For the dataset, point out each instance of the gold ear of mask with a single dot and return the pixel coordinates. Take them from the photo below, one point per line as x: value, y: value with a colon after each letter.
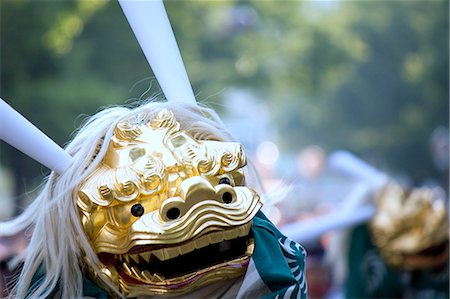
x: 166, y: 213
x: 411, y: 227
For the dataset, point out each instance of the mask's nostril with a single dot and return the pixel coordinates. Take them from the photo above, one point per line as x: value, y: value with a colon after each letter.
x: 227, y: 197
x: 173, y: 213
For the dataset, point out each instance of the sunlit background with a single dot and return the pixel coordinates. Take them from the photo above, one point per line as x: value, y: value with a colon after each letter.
x: 293, y: 80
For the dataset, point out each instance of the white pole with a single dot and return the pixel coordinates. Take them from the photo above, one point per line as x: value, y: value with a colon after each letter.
x: 349, y: 163
x: 312, y: 229
x: 17, y: 131
x: 354, y: 210
x: 150, y: 24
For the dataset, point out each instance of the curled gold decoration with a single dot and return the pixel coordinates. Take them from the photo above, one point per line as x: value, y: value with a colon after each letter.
x: 212, y: 157
x: 409, y: 225
x: 152, y: 173
x: 151, y: 181
x: 233, y: 158
x: 126, y: 132
x: 127, y: 188
x: 105, y: 192
x: 205, y: 165
x: 165, y: 119
x: 155, y: 201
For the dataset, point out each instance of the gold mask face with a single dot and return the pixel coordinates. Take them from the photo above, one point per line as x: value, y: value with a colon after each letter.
x: 166, y: 213
x: 411, y: 227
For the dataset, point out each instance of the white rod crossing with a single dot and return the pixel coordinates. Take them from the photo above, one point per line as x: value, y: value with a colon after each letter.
x: 312, y: 229
x: 151, y: 26
x: 360, y: 207
x: 17, y: 131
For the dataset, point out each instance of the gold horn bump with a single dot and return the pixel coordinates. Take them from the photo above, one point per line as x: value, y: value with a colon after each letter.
x: 165, y: 119
x: 152, y: 174
x: 206, y: 165
x: 126, y: 191
x: 84, y: 202
x: 125, y: 131
x: 105, y: 192
x: 190, y: 152
x: 127, y: 188
x: 233, y: 157
x: 227, y: 159
x: 151, y: 181
x: 154, y: 164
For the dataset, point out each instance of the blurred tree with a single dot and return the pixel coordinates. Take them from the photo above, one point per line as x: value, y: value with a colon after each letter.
x: 398, y: 96
x: 371, y: 77
x: 60, y: 60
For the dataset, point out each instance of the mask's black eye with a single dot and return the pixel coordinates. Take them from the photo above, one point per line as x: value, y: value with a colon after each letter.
x: 225, y: 181
x: 137, y: 210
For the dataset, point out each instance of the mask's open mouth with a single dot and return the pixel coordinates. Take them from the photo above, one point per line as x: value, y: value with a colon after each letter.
x: 430, y: 258
x: 176, y: 265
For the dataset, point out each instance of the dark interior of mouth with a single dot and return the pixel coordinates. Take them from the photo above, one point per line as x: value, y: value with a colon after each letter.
x: 435, y: 250
x: 198, y: 259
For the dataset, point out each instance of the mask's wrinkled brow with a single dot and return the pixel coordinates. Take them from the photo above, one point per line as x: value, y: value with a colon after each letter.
x: 145, y: 158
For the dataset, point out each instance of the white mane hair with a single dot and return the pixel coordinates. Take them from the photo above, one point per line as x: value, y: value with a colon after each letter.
x: 58, y: 242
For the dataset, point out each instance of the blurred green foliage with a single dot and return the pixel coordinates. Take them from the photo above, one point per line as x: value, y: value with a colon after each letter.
x: 368, y: 76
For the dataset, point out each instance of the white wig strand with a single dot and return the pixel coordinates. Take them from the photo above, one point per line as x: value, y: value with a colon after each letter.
x: 58, y: 243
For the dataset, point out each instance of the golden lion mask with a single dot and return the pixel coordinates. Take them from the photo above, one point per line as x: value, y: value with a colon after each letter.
x: 411, y: 227
x: 166, y: 213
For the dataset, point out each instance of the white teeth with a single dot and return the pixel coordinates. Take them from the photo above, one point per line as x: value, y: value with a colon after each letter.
x: 135, y: 258
x: 147, y: 275
x: 160, y: 254
x: 135, y: 272
x: 126, y: 268
x: 215, y: 238
x: 243, y: 230
x: 186, y: 248
x: 126, y: 257
x: 172, y: 252
x: 146, y: 256
x: 228, y: 235
x: 166, y: 253
x: 250, y: 249
x: 201, y: 242
x: 158, y: 277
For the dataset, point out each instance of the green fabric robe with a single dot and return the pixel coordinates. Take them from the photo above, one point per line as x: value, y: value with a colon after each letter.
x: 370, y: 277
